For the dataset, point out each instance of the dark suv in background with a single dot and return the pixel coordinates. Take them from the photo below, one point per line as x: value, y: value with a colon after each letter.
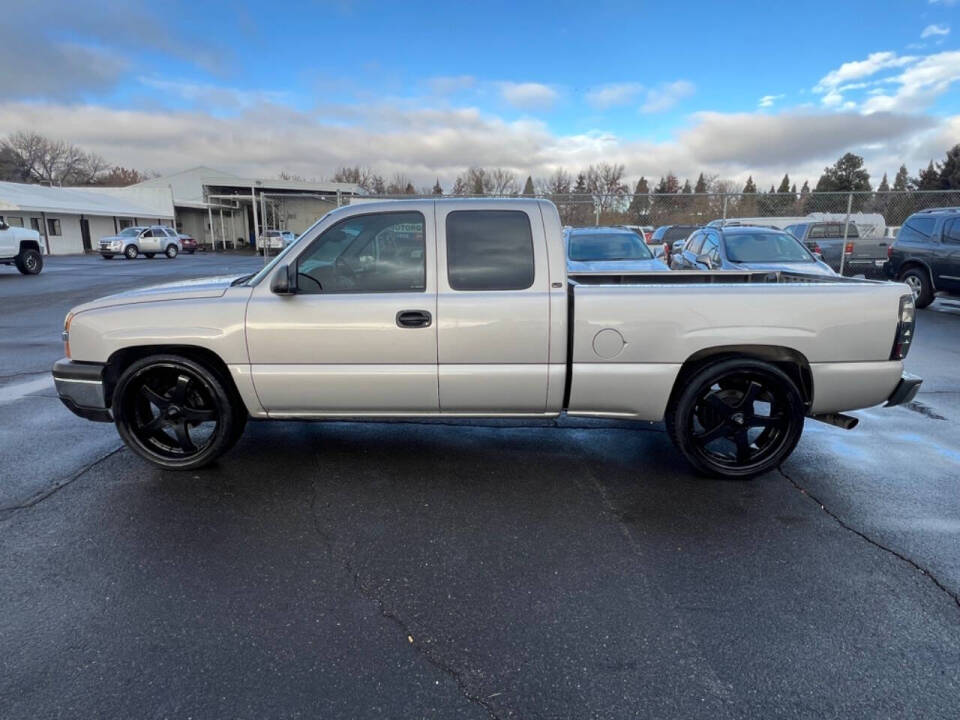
x: 926, y: 254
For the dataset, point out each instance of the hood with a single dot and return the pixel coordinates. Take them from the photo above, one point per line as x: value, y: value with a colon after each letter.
x: 181, y: 290
x: 616, y: 266
x: 814, y: 268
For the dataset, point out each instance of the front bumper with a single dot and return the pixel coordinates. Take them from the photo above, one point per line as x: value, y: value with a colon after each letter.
x: 906, y: 390
x: 81, y: 388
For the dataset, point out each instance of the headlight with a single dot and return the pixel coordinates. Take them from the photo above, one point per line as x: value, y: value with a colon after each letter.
x: 906, y: 325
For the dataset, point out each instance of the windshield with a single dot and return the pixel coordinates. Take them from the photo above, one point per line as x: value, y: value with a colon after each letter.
x: 131, y: 231
x: 608, y: 246
x: 772, y: 247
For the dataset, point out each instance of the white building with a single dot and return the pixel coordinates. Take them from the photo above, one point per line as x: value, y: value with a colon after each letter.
x: 72, y: 220
x: 216, y: 207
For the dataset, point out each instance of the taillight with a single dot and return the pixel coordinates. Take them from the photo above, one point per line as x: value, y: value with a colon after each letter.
x: 66, y: 334
x: 816, y: 249
x: 906, y: 324
x: 849, y: 248
x: 889, y: 251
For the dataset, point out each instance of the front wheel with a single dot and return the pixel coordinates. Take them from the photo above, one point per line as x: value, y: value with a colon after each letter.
x: 171, y: 251
x: 176, y: 413
x: 131, y: 252
x: 29, y: 262
x: 737, y: 418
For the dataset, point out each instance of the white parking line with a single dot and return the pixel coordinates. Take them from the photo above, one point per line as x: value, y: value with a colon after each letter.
x: 17, y: 391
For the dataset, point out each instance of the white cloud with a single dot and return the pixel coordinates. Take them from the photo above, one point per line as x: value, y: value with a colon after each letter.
x: 832, y: 85
x: 919, y: 85
x: 768, y: 100
x: 934, y: 30
x: 449, y: 84
x: 666, y: 95
x: 528, y: 95
x: 426, y: 142
x: 613, y: 94
x: 214, y: 96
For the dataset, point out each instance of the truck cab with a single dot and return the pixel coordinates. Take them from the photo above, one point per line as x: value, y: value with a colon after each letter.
x: 20, y: 247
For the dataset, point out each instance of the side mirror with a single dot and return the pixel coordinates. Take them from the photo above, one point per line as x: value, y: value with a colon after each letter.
x: 284, y: 281
x: 705, y: 260
x: 4, y: 226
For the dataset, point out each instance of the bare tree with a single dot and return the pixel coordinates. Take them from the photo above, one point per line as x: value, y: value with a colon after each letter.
x: 38, y: 159
x: 557, y: 184
x: 362, y: 176
x: 605, y: 183
x: 478, y: 181
x: 503, y: 182
x: 399, y: 184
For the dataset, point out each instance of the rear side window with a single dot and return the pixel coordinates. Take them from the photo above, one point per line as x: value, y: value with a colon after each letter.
x: 695, y: 243
x: 917, y: 229
x: 489, y: 250
x: 951, y: 232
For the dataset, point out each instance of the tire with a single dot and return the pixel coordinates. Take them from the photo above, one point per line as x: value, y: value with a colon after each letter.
x: 149, y: 256
x: 176, y: 413
x: 918, y: 279
x: 29, y: 262
x: 171, y: 251
x: 715, y: 423
x: 107, y: 257
x: 131, y: 252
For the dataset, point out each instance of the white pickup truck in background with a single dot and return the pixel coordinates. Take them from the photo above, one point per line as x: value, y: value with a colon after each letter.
x: 463, y: 308
x: 20, y: 247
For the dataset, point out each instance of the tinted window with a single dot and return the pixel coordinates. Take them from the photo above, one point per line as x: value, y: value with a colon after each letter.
x: 489, y: 250
x: 951, y: 232
x: 797, y: 230
x: 381, y: 252
x: 712, y: 248
x: 917, y: 229
x: 607, y: 246
x: 817, y: 232
x: 772, y: 247
x: 695, y: 243
x: 677, y: 232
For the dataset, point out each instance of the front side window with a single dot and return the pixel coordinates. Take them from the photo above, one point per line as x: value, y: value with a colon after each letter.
x: 53, y: 226
x: 489, y: 250
x: 772, y: 247
x: 711, y: 248
x: 607, y: 246
x: 695, y: 244
x: 380, y: 252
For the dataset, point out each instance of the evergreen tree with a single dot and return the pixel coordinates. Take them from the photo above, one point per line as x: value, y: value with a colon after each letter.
x: 409, y: 189
x: 528, y: 187
x: 749, y: 187
x: 437, y: 188
x: 459, y: 187
x: 701, y: 186
x: 686, y: 188
x: 928, y: 179
x: 902, y: 179
x: 803, y: 202
x: 950, y: 170
x: 639, y: 209
x: 581, y: 212
x: 845, y: 175
x: 884, y: 186
x: 793, y: 188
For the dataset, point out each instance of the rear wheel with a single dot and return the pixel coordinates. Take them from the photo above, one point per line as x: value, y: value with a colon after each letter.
x: 176, y: 413
x: 737, y: 418
x: 131, y: 252
x: 918, y: 280
x: 171, y: 251
x: 29, y: 262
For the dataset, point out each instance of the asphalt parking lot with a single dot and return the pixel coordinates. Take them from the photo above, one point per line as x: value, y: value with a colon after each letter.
x: 411, y: 569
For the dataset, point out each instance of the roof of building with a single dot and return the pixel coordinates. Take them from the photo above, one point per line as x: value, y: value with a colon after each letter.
x: 187, y: 185
x: 121, y: 202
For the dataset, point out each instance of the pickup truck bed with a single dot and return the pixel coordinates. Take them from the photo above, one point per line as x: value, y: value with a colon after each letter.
x: 464, y: 308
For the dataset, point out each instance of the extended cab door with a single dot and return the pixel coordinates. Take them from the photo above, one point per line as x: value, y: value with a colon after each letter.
x: 493, y: 307
x: 360, y: 335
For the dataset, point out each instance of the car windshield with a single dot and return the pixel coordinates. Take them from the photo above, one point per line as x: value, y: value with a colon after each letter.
x: 772, y: 247
x: 608, y: 246
x: 131, y: 231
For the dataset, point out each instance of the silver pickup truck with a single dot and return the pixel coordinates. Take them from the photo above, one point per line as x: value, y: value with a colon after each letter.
x: 463, y: 308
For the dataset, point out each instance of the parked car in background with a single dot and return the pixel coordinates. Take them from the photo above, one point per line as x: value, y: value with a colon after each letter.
x: 747, y: 247
x: 926, y: 254
x: 608, y: 249
x: 149, y: 241
x: 20, y: 247
x: 274, y: 240
x: 644, y: 231
x: 671, y: 235
x: 862, y: 255
x: 187, y: 243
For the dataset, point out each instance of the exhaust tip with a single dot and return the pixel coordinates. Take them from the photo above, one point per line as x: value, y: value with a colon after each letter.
x: 847, y: 422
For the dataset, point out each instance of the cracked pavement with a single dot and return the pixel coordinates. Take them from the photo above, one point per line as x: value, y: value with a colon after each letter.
x: 571, y: 569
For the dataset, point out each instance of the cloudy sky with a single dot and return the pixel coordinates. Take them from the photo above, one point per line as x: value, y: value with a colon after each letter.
x: 428, y: 89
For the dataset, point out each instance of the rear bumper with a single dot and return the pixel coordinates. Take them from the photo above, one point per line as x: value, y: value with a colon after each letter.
x: 906, y: 390
x: 81, y: 388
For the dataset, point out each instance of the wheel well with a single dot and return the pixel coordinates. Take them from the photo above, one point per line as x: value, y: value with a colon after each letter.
x: 912, y: 264
x: 29, y: 245
x: 123, y: 358
x: 793, y: 363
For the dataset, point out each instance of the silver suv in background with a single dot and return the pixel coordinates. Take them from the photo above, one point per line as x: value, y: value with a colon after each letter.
x: 149, y: 241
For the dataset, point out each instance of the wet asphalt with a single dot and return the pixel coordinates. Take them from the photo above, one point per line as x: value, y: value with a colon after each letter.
x: 487, y: 569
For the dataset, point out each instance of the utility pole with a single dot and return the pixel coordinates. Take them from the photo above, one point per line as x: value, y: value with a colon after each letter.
x: 846, y: 228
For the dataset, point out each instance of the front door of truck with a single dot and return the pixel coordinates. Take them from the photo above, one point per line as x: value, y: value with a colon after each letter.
x: 360, y: 335
x: 493, y: 308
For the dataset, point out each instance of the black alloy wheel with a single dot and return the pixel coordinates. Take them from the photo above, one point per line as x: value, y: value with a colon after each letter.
x: 176, y: 413
x: 737, y: 418
x: 29, y: 262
